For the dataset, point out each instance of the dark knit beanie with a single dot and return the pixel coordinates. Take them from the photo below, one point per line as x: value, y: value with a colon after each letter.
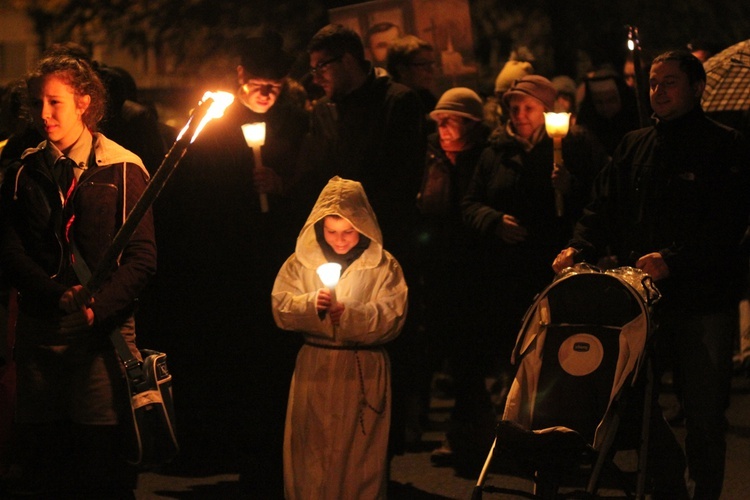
x: 535, y: 86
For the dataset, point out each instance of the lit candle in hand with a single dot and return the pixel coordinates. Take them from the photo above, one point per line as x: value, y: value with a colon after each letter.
x: 557, y: 125
x: 255, y: 137
x: 329, y: 274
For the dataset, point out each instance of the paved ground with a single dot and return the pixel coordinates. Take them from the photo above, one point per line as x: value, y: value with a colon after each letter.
x: 414, y: 477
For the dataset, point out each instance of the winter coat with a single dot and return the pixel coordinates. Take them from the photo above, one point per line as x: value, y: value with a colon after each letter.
x: 338, y: 415
x: 679, y: 188
x: 35, y: 254
x: 374, y: 136
x: 510, y: 180
x: 69, y: 377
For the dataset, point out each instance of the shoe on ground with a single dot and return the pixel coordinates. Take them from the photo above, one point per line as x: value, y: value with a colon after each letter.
x: 443, y: 456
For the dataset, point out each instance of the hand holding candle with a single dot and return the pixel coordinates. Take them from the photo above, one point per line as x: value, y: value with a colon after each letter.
x: 255, y: 136
x: 557, y: 125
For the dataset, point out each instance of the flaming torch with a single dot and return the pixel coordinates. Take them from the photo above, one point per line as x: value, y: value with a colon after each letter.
x: 557, y: 125
x: 211, y: 106
x: 255, y: 136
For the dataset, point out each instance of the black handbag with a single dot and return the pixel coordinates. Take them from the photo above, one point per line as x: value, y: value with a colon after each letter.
x: 151, y: 440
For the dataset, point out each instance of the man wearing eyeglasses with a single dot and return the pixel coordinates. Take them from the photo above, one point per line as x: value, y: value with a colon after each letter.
x: 368, y: 128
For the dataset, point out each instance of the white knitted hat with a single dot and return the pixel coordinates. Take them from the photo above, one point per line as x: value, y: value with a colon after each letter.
x: 512, y: 71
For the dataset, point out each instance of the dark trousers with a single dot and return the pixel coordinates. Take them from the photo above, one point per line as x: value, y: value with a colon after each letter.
x: 701, y: 344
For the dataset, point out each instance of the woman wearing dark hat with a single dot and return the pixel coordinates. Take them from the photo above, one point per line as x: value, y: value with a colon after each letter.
x: 223, y: 253
x: 448, y: 257
x: 510, y: 202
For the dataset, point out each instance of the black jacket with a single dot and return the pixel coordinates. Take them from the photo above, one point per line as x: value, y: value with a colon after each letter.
x: 510, y: 180
x: 35, y: 254
x: 372, y: 135
x: 679, y: 188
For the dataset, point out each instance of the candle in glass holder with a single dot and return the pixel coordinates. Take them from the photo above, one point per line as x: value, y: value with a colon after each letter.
x: 557, y: 125
x: 255, y: 137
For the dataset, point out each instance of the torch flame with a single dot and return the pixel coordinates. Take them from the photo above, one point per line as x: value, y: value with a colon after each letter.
x: 221, y: 100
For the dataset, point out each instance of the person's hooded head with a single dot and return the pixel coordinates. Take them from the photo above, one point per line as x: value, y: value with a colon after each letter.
x: 566, y: 94
x: 604, y: 90
x: 264, y: 66
x: 341, y: 227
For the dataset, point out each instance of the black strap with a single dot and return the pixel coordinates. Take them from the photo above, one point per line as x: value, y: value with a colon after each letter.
x: 133, y: 367
x: 357, y: 347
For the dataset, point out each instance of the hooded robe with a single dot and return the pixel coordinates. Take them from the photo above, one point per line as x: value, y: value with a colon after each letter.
x: 338, y: 416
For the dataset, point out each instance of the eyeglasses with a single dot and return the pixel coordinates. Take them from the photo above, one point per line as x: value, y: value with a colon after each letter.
x: 322, y: 67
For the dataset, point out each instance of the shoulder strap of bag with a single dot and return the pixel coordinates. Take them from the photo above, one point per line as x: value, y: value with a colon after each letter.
x: 133, y: 367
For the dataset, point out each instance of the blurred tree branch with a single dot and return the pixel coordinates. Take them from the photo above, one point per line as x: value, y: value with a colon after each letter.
x: 187, y: 32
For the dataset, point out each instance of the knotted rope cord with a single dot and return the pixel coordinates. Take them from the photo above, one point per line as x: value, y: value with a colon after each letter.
x: 364, y: 403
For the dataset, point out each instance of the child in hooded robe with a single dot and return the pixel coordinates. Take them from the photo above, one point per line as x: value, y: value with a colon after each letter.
x: 338, y: 416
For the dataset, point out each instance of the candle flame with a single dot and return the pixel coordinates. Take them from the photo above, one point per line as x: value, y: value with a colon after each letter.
x: 557, y: 124
x: 329, y: 273
x: 221, y: 100
x: 255, y: 133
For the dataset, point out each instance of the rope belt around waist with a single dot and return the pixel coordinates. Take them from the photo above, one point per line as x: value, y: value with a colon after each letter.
x: 375, y: 347
x: 364, y: 404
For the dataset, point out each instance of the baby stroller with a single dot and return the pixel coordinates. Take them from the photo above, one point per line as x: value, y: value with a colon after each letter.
x: 581, y: 346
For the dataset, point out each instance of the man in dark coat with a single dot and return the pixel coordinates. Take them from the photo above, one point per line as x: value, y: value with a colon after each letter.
x: 370, y: 129
x: 367, y: 128
x: 674, y: 203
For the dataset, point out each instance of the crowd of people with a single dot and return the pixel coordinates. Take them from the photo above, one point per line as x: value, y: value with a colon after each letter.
x: 446, y: 214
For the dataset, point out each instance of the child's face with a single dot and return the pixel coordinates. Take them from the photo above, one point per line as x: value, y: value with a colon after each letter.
x: 340, y: 234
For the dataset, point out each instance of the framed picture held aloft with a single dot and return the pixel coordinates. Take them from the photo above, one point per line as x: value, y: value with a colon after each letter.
x: 445, y: 24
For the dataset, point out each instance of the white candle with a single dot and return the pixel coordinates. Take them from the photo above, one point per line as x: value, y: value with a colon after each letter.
x: 255, y: 137
x: 557, y: 125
